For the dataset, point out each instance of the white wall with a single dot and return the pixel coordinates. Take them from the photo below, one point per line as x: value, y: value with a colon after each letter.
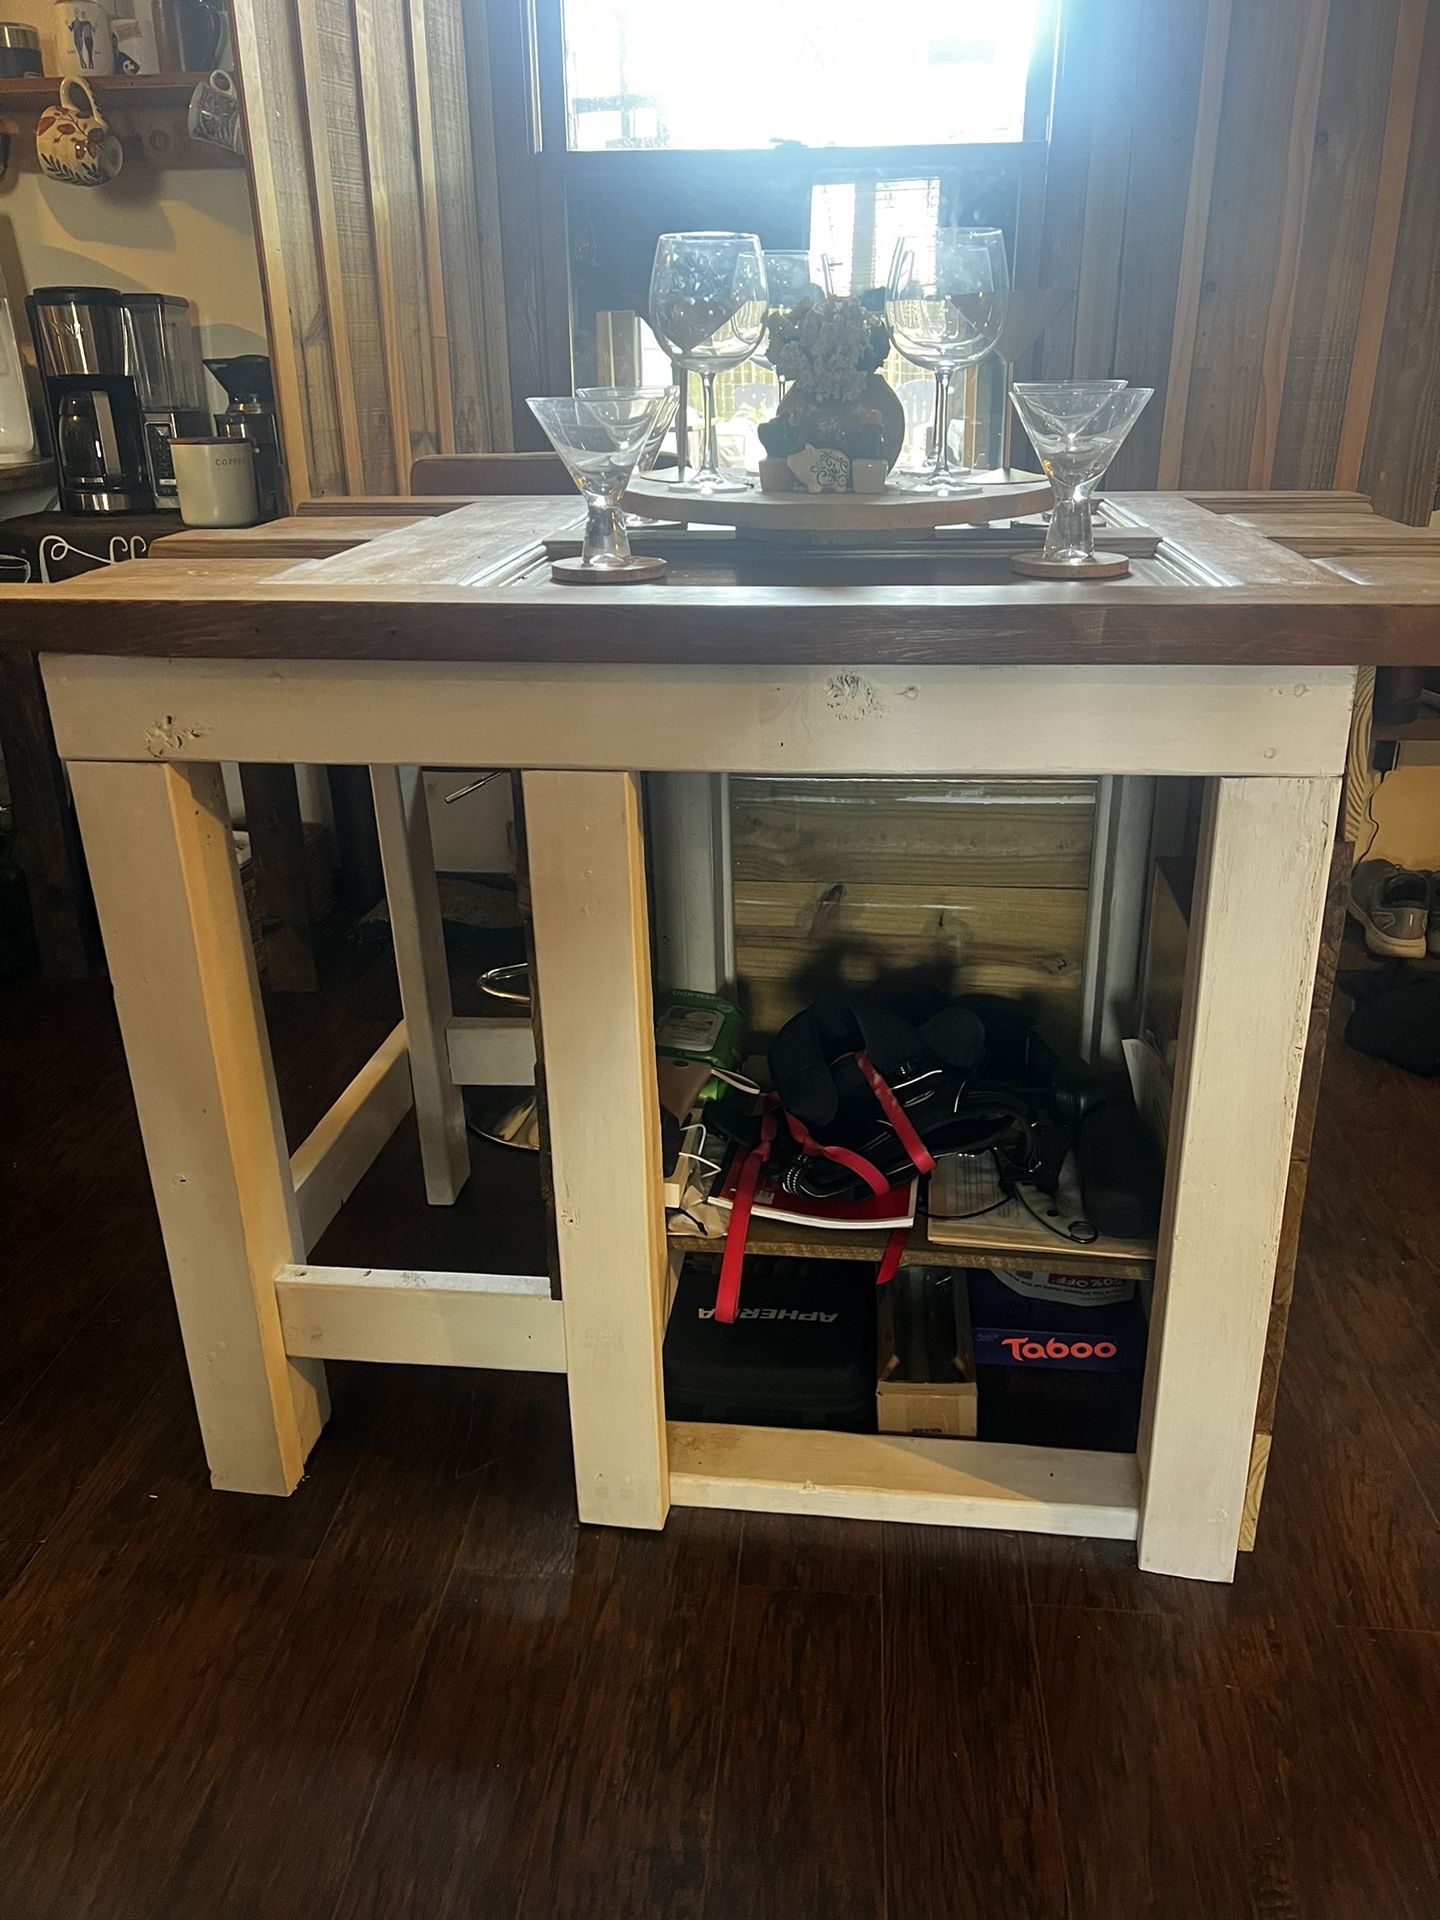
x: 184, y: 231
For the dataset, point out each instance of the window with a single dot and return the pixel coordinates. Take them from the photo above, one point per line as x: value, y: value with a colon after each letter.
x: 673, y: 74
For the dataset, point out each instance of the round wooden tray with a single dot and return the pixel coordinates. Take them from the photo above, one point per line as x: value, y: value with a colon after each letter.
x: 814, y: 516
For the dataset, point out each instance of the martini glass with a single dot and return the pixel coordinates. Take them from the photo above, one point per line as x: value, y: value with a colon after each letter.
x: 1076, y: 427
x: 707, y: 310
x: 601, y: 441
x: 668, y: 405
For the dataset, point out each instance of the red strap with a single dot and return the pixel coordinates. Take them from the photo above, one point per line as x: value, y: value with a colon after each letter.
x: 727, y: 1293
x: 905, y: 1133
x: 842, y: 1156
x: 890, y: 1259
x: 732, y: 1264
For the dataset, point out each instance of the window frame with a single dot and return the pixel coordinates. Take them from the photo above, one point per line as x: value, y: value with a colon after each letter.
x: 537, y: 168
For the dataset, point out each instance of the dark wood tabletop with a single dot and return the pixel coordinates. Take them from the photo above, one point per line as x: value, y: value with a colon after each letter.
x: 474, y: 584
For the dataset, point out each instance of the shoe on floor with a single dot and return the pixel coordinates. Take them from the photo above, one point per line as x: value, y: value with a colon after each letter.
x: 1432, y: 923
x: 1393, y: 905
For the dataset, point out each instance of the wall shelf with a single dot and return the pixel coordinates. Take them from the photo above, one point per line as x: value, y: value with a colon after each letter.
x: 20, y: 476
x: 112, y: 90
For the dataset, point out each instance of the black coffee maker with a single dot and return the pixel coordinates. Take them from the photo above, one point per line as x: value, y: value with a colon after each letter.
x: 250, y: 389
x: 122, y: 378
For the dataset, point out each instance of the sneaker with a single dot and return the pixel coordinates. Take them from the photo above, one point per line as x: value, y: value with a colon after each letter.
x: 1393, y: 905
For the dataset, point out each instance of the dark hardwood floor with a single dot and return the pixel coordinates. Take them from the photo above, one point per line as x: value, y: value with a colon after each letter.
x: 418, y: 1689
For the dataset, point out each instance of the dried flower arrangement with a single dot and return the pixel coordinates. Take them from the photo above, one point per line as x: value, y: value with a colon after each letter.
x: 840, y: 425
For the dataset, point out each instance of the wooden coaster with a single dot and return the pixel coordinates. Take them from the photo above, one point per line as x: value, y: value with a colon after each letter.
x: 643, y: 566
x: 1105, y: 566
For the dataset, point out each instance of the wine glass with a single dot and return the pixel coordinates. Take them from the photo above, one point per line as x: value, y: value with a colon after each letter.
x: 707, y: 308
x: 1076, y: 427
x: 601, y: 439
x: 946, y: 303
x: 788, y: 281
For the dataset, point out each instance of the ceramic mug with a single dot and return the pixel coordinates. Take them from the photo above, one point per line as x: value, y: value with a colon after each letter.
x: 214, y: 113
x: 136, y: 50
x: 84, y: 37
x: 74, y: 143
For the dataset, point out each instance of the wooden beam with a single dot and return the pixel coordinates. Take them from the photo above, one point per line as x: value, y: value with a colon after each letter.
x: 168, y: 890
x: 940, y: 1483
x: 281, y: 175
x: 502, y: 1321
x: 592, y: 958
x: 418, y: 934
x: 941, y: 721
x: 277, y: 846
x: 397, y: 312
x: 335, y: 1155
x: 1254, y: 936
x: 427, y: 165
x: 491, y: 1053
x: 314, y: 62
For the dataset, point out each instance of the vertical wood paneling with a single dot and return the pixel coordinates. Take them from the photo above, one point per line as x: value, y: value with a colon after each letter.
x: 1245, y: 234
x: 1384, y: 236
x: 383, y: 281
x: 1117, y: 38
x: 1067, y: 170
x: 281, y: 187
x: 1280, y: 317
x: 323, y: 66
x: 467, y: 199
x: 1329, y: 285
x: 1214, y: 58
x: 1170, y: 60
x: 422, y: 106
x: 338, y: 118
x: 1402, y: 449
x: 397, y: 213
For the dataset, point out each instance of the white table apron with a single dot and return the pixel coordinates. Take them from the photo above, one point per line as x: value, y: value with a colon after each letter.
x: 143, y: 739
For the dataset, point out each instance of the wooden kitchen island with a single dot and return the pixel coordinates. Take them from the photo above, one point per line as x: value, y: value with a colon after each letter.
x: 1225, y: 657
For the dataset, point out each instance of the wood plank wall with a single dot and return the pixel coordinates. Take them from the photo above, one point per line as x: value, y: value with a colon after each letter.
x: 373, y: 188
x: 1243, y: 193
x: 970, y: 886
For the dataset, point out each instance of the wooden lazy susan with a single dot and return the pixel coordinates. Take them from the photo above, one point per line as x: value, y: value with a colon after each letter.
x: 853, y: 518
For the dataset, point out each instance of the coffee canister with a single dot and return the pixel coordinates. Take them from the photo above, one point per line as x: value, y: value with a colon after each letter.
x: 216, y: 482
x: 19, y: 51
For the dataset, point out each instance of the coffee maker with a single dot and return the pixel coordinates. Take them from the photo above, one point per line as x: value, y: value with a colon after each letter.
x: 122, y: 378
x: 250, y: 389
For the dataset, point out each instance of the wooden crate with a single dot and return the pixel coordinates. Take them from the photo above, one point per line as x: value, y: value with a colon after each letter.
x: 945, y: 1409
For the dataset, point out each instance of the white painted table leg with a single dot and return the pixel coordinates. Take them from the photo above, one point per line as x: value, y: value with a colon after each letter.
x: 157, y: 839
x: 1254, y: 938
x: 419, y: 937
x: 592, y: 959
